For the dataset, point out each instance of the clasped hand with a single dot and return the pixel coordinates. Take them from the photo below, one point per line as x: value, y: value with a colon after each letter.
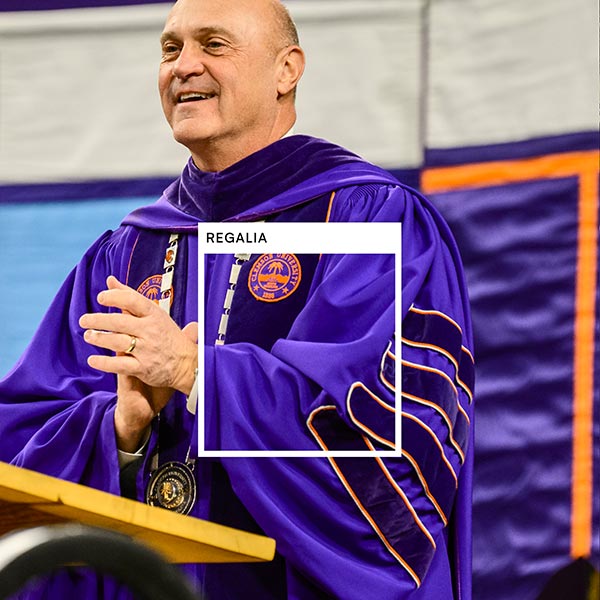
x: 164, y: 359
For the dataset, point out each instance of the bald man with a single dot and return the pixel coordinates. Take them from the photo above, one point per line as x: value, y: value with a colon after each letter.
x: 307, y: 365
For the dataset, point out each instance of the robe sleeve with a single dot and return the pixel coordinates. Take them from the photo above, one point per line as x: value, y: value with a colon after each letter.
x: 379, y: 524
x: 56, y: 413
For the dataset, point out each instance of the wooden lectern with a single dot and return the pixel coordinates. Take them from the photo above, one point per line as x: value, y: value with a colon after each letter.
x: 29, y: 499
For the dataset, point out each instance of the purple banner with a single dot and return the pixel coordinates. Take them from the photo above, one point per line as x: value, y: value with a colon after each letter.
x: 519, y: 226
x: 22, y: 5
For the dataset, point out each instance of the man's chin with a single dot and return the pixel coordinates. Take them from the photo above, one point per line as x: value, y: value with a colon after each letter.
x: 190, y: 130
x: 194, y: 136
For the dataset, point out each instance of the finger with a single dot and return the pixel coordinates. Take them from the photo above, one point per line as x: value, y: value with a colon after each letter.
x: 127, y: 300
x: 117, y: 342
x: 112, y: 283
x: 191, y: 331
x: 121, y: 365
x: 111, y: 322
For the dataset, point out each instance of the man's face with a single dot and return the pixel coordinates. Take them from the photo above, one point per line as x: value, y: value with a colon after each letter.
x: 218, y: 73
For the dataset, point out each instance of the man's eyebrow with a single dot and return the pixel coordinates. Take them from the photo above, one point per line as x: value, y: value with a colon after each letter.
x: 199, y: 32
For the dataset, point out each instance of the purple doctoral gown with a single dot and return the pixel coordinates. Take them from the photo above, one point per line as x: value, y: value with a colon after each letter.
x: 312, y: 368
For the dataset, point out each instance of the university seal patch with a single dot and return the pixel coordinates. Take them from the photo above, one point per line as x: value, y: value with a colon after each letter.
x: 274, y: 277
x: 150, y: 288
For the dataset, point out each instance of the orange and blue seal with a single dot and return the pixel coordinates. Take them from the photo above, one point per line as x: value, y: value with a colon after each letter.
x: 274, y: 277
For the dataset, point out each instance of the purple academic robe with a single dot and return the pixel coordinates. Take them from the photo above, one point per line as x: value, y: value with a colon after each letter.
x: 313, y: 369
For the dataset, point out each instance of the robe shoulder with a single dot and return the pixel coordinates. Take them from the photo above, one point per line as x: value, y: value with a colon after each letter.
x: 432, y: 272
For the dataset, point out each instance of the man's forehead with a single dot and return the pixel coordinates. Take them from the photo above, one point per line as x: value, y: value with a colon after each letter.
x: 223, y: 8
x: 219, y: 16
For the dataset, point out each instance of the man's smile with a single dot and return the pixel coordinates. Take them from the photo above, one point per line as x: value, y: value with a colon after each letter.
x: 194, y: 96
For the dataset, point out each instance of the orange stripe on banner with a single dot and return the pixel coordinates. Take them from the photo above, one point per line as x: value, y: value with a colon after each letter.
x: 583, y: 165
x: 488, y: 174
x: 583, y: 383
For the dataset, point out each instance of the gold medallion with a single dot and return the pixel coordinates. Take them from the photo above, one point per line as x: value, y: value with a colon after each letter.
x: 172, y: 486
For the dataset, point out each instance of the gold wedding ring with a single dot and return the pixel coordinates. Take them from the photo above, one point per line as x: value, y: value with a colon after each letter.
x: 132, y: 344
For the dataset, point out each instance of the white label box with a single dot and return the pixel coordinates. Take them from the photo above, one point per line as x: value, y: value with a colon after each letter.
x: 298, y: 238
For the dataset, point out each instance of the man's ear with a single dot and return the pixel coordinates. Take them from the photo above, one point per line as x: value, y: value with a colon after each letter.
x: 291, y: 67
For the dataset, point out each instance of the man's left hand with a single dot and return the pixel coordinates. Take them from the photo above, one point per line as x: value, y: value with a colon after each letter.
x: 164, y: 356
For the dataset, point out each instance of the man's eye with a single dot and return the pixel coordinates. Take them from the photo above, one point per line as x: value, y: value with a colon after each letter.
x: 170, y: 48
x: 214, y: 45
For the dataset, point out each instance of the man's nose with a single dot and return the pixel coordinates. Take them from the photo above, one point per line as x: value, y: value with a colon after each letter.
x: 190, y: 62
